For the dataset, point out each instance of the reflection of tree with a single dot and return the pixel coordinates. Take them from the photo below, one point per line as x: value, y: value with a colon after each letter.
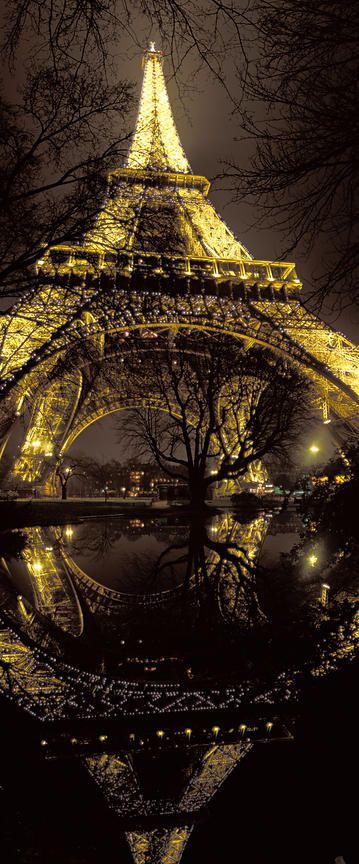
x: 219, y: 569
x: 98, y: 537
x: 328, y: 550
x: 93, y: 540
x: 232, y: 566
x: 214, y: 619
x: 160, y: 572
x: 215, y: 571
x: 12, y: 544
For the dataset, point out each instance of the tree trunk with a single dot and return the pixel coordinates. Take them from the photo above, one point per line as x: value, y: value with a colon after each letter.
x: 64, y: 492
x: 197, y: 493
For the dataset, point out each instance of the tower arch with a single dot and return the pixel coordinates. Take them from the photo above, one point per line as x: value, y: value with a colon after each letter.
x: 64, y: 406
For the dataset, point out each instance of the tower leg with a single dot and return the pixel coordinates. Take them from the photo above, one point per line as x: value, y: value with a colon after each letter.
x: 52, y: 415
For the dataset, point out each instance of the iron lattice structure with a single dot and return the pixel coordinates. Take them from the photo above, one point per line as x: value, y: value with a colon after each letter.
x: 157, y: 258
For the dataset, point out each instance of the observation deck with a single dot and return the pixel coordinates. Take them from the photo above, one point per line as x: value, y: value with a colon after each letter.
x: 171, y: 274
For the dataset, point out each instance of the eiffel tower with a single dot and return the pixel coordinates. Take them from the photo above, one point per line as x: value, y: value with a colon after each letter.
x: 157, y: 258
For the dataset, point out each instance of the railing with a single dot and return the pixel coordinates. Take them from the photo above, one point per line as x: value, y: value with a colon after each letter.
x: 159, y: 178
x: 82, y: 261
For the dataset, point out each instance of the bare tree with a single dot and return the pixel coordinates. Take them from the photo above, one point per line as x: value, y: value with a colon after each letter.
x: 66, y: 468
x: 210, y: 32
x: 100, y: 474
x: 219, y: 408
x: 302, y: 118
x: 62, y: 127
x: 61, y: 130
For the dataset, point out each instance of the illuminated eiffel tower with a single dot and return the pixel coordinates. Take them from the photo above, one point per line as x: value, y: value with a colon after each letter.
x: 158, y: 258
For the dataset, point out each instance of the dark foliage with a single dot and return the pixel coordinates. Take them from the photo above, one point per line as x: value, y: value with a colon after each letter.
x: 302, y: 117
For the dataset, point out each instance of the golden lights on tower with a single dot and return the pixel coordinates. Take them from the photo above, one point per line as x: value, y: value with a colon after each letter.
x: 156, y: 144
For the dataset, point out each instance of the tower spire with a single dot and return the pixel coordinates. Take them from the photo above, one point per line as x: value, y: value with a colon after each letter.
x: 156, y: 145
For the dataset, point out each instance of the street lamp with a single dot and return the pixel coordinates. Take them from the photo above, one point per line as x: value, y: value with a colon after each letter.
x: 324, y: 593
x: 314, y: 449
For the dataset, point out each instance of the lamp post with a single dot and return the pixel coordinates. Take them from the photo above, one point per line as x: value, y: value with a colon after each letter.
x: 64, y: 479
x: 324, y: 594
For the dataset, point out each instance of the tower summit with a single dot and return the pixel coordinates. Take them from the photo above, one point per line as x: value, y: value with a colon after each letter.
x: 156, y: 203
x: 156, y: 145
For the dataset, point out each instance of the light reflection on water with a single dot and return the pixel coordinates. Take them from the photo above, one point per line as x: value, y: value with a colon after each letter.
x: 172, y: 587
x: 159, y: 652
x: 138, y: 594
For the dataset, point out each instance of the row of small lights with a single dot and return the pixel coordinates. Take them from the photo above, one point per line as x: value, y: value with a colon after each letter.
x: 313, y: 558
x: 73, y: 676
x: 61, y: 331
x: 161, y: 734
x: 234, y: 306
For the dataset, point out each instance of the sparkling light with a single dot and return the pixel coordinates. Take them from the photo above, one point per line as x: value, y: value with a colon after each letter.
x: 313, y: 559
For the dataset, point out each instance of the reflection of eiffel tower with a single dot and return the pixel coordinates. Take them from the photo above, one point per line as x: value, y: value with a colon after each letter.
x: 158, y: 258
x: 157, y: 749
x: 157, y: 770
